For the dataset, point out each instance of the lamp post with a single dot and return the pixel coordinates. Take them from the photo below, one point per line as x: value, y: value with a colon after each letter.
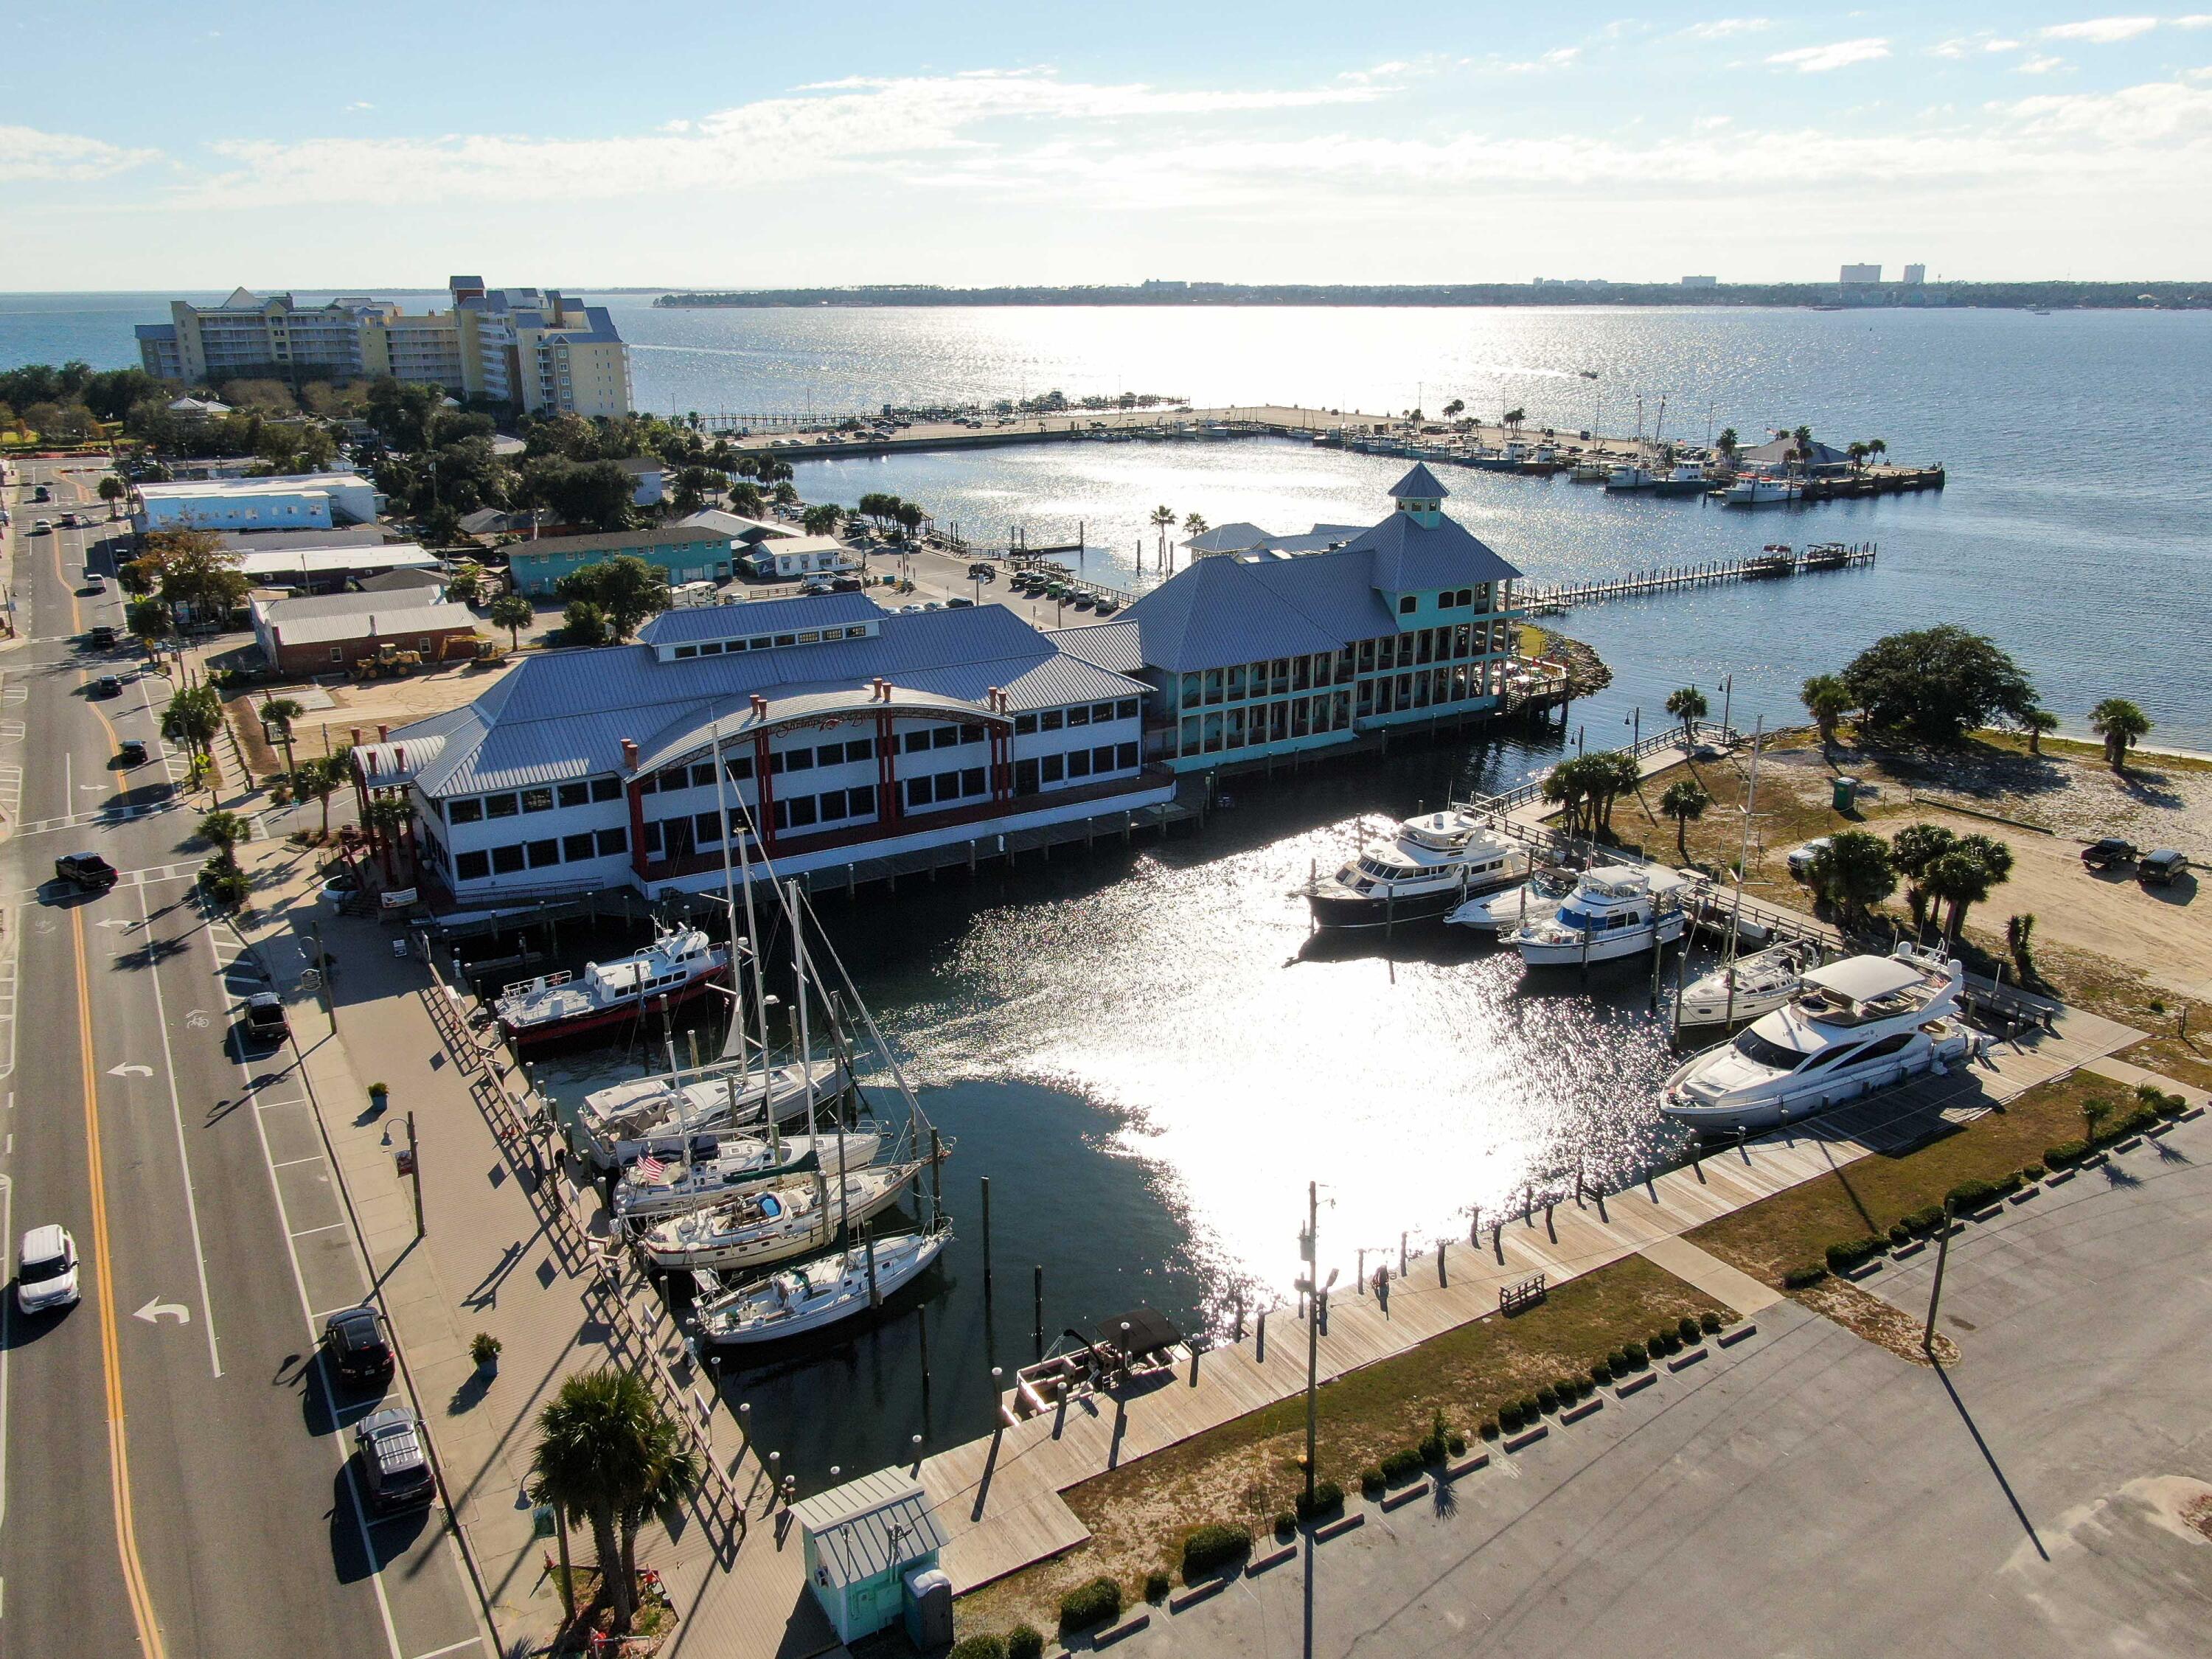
x: 1314, y: 1289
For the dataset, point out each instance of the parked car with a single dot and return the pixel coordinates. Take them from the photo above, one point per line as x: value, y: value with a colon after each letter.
x: 983, y: 570
x: 95, y: 583
x: 959, y: 605
x: 46, y: 1270
x: 2112, y: 850
x: 1800, y: 858
x: 264, y: 1020
x: 72, y: 520
x: 2162, y: 868
x: 394, y: 1468
x: 355, y: 1344
x: 87, y: 870
x: 846, y: 584
x: 43, y: 527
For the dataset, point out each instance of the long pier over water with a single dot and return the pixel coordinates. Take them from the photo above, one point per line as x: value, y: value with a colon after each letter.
x: 1775, y: 562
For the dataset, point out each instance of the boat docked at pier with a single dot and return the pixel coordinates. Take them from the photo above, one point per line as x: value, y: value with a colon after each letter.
x: 1630, y: 476
x: 1432, y: 865
x: 653, y: 1188
x: 1761, y: 489
x: 1615, y: 910
x: 1683, y: 478
x: 680, y: 963
x: 1854, y: 1026
x: 660, y: 1115
x: 1745, y: 987
x: 1534, y: 900
x: 773, y: 1225
x: 1775, y: 559
x: 815, y: 1294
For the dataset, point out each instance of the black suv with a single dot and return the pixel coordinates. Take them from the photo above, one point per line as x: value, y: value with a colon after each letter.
x: 393, y: 1466
x: 88, y: 870
x: 266, y: 1025
x: 355, y: 1342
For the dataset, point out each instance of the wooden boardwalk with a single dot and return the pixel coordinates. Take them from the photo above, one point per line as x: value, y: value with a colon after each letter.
x: 1551, y: 601
x: 999, y: 1498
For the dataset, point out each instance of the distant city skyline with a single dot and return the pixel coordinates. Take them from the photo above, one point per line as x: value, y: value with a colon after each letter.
x: 153, y: 149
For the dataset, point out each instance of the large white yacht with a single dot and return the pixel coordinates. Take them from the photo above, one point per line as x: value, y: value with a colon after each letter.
x: 1741, y: 990
x: 678, y: 966
x: 1534, y: 900
x: 1615, y: 910
x: 1432, y: 865
x: 1856, y: 1025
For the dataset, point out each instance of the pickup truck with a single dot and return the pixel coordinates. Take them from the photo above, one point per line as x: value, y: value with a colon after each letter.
x: 87, y: 870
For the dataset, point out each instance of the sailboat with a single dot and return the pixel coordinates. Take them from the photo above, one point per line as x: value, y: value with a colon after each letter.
x: 652, y: 1190
x: 814, y: 1294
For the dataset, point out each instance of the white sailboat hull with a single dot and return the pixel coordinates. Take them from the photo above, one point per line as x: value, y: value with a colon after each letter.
x: 625, y: 1118
x: 696, y: 1241
x: 641, y: 1203
x: 775, y: 1310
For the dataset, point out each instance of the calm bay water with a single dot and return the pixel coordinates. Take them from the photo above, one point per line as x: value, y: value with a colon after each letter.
x: 1141, y: 1048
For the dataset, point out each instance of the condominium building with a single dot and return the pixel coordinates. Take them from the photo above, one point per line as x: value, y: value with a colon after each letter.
x: 539, y: 351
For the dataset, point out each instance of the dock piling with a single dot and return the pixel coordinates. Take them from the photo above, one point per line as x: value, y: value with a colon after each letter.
x: 1036, y: 1310
x: 987, y: 1233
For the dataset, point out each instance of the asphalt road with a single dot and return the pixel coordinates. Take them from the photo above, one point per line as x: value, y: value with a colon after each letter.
x: 175, y: 1478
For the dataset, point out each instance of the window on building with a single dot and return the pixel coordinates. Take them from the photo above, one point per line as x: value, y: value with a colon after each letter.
x: 612, y: 841
x: 1026, y: 777
x: 1410, y: 603
x: 832, y: 803
x: 337, y: 653
x: 676, y: 841
x: 505, y: 861
x: 1026, y: 724
x: 860, y: 748
x: 465, y: 809
x: 920, y: 792
x: 576, y: 847
x: 1052, y: 767
x: 472, y: 866
x: 803, y: 815
x: 1125, y: 758
x: 914, y: 742
x: 538, y: 800
x: 502, y: 806
x: 971, y: 781
x: 675, y: 777
x: 706, y: 829
x: 1366, y: 656
x: 1051, y: 721
x: 1236, y: 681
x: 606, y: 789
x: 703, y: 775
x: 1101, y: 758
x: 740, y: 767
x: 1079, y: 715
x: 684, y: 652
x: 574, y: 794
x: 798, y: 760
x: 1125, y: 709
x: 972, y: 734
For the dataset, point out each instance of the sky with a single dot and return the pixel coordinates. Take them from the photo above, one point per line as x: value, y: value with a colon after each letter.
x: 148, y: 145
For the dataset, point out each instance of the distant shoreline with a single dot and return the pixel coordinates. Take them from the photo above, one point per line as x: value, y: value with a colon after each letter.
x: 1860, y: 296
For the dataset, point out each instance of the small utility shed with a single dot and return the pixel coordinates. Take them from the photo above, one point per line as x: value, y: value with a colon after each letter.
x: 862, y: 1539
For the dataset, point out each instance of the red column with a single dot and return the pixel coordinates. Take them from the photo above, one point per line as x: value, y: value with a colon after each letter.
x: 1002, y: 765
x: 764, y: 813
x: 636, y: 798
x: 887, y: 797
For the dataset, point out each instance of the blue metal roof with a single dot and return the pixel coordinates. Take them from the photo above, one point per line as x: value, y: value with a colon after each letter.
x: 1418, y: 485
x: 1411, y: 557
x: 733, y: 622
x: 1113, y: 645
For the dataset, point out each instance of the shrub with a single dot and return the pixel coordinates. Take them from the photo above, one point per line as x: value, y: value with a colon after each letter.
x: 1089, y: 1604
x: 1975, y: 1194
x: 483, y: 1347
x: 1402, y: 1465
x: 1204, y: 1551
x: 1848, y: 1255
x: 2034, y: 1172
x: 1024, y: 1642
x: 2164, y: 1104
x: 1547, y: 1399
x: 1709, y: 1322
x: 1432, y: 1444
x: 1328, y: 1499
x: 1663, y: 1342
x: 1490, y: 1428
x: 1158, y: 1584
x: 1509, y: 1417
x: 1688, y: 1327
x: 1798, y: 1278
x: 978, y: 1647
x: 1899, y: 1233
x: 1570, y: 1389
x: 1926, y: 1220
x: 1618, y: 1360
x: 1633, y: 1357
x: 1372, y: 1482
x: 1600, y: 1374
x: 1286, y: 1524
x: 2066, y: 1154
x: 1455, y: 1444
x: 1531, y: 1411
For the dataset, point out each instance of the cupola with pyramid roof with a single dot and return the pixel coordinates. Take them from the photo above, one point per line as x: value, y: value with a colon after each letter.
x: 1420, y: 495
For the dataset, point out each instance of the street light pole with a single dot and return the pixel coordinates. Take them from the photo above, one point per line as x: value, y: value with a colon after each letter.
x: 1935, y: 1291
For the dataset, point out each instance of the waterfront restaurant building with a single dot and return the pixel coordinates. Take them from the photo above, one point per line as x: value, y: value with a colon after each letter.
x: 847, y: 733
x: 1272, y: 650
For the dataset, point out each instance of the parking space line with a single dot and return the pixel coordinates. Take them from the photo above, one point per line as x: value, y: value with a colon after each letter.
x: 291, y: 1163
x: 306, y: 1232
x: 440, y: 1653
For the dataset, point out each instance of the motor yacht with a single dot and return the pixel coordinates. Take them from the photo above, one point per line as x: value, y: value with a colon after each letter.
x: 1615, y: 910
x: 1741, y: 990
x: 1759, y: 489
x: 1862, y: 1024
x: 1432, y: 865
x: 814, y: 1294
x: 680, y: 963
x: 1534, y: 900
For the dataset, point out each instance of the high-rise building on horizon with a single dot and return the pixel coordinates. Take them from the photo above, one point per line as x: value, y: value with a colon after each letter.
x: 539, y: 351
x: 1861, y: 274
x: 1915, y: 276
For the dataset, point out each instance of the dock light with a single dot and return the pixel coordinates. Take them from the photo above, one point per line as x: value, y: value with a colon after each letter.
x: 997, y: 1371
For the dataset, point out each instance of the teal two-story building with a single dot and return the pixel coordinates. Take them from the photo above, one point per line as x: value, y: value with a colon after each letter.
x: 681, y: 552
x: 1273, y: 650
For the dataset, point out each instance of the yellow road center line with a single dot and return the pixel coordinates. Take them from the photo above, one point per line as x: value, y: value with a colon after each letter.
x: 110, y: 1353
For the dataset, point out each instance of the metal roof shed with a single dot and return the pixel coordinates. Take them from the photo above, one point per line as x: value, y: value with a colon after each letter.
x: 862, y: 1539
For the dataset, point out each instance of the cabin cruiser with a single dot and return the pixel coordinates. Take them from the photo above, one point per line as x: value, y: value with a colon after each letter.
x: 1534, y: 900
x: 653, y: 1188
x: 1432, y: 865
x: 1615, y: 910
x: 1855, y: 1025
x: 1590, y: 472
x: 1747, y: 987
x: 814, y: 1294
x: 1630, y: 475
x: 1760, y: 489
x: 680, y: 963
x: 1687, y: 478
x: 617, y: 1122
x: 771, y: 1225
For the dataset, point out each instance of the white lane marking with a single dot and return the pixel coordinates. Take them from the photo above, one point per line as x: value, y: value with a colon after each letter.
x: 305, y: 1232
x: 312, y: 1157
x: 184, y: 1158
x: 440, y: 1653
x: 7, y: 1311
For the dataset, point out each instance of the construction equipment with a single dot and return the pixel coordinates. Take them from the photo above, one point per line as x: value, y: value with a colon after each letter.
x: 388, y: 663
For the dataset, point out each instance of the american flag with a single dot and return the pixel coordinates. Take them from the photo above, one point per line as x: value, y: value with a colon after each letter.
x: 650, y: 1168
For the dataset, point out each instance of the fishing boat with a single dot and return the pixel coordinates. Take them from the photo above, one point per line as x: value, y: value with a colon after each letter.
x: 1774, y: 560
x: 653, y: 1188
x: 1684, y: 479
x: 815, y: 1294
x: 1763, y: 489
x: 1615, y: 910
x: 1629, y: 476
x: 1534, y: 900
x: 1432, y: 865
x: 769, y: 1225
x: 648, y: 1114
x: 1594, y: 473
x: 1745, y: 987
x: 1854, y: 1026
x: 680, y: 963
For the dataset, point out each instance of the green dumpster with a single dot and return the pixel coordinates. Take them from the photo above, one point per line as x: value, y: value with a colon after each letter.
x: 1847, y: 794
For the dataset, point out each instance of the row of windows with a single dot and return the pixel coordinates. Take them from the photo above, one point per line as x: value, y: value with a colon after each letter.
x: 542, y: 798
x: 1032, y: 775
x: 1274, y: 722
x: 1285, y: 675
x: 1097, y: 714
x: 538, y: 855
x: 1452, y: 599
x: 765, y: 642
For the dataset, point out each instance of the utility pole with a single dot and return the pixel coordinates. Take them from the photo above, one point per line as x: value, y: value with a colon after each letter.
x: 414, y: 1170
x: 1935, y: 1291
x: 1314, y: 1290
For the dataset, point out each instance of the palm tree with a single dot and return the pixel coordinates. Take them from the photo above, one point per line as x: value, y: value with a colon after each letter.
x: 1455, y: 408
x: 317, y: 781
x: 281, y: 712
x: 607, y: 1455
x: 1877, y: 446
x: 1914, y: 850
x: 1194, y: 526
x: 389, y: 817
x: 193, y: 717
x: 1975, y: 867
x: 112, y: 491
x: 2036, y: 722
x: 1688, y: 706
x: 465, y: 586
x: 1566, y: 788
x: 2120, y: 723
x: 1853, y: 872
x: 821, y: 518
x: 1162, y: 518
x: 1684, y: 801
x: 224, y: 830
x: 1514, y: 417
x: 513, y: 612
x: 1828, y: 702
x: 1857, y: 452
x: 1726, y: 443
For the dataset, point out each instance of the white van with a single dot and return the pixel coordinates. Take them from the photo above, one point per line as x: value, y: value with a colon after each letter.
x: 686, y: 595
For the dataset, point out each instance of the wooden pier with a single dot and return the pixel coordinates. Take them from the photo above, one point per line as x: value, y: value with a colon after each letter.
x: 1775, y: 562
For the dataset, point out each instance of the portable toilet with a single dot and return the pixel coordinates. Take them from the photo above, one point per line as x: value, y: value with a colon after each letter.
x: 929, y: 1609
x: 860, y: 1541
x: 1847, y: 794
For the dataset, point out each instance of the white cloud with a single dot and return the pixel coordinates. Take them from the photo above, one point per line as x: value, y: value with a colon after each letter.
x: 1711, y: 122
x: 2041, y: 65
x: 1841, y: 54
x: 26, y: 153
x: 2100, y: 31
x: 361, y: 103
x: 2000, y: 45
x: 1560, y: 57
x: 2195, y: 20
x: 1723, y: 29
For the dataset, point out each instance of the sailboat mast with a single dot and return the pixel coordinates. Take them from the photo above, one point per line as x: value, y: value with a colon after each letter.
x: 1742, y: 859
x: 806, y: 1055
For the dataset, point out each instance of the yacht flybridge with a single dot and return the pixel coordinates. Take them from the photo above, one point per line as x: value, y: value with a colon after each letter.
x: 1862, y: 1024
x: 1432, y: 865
